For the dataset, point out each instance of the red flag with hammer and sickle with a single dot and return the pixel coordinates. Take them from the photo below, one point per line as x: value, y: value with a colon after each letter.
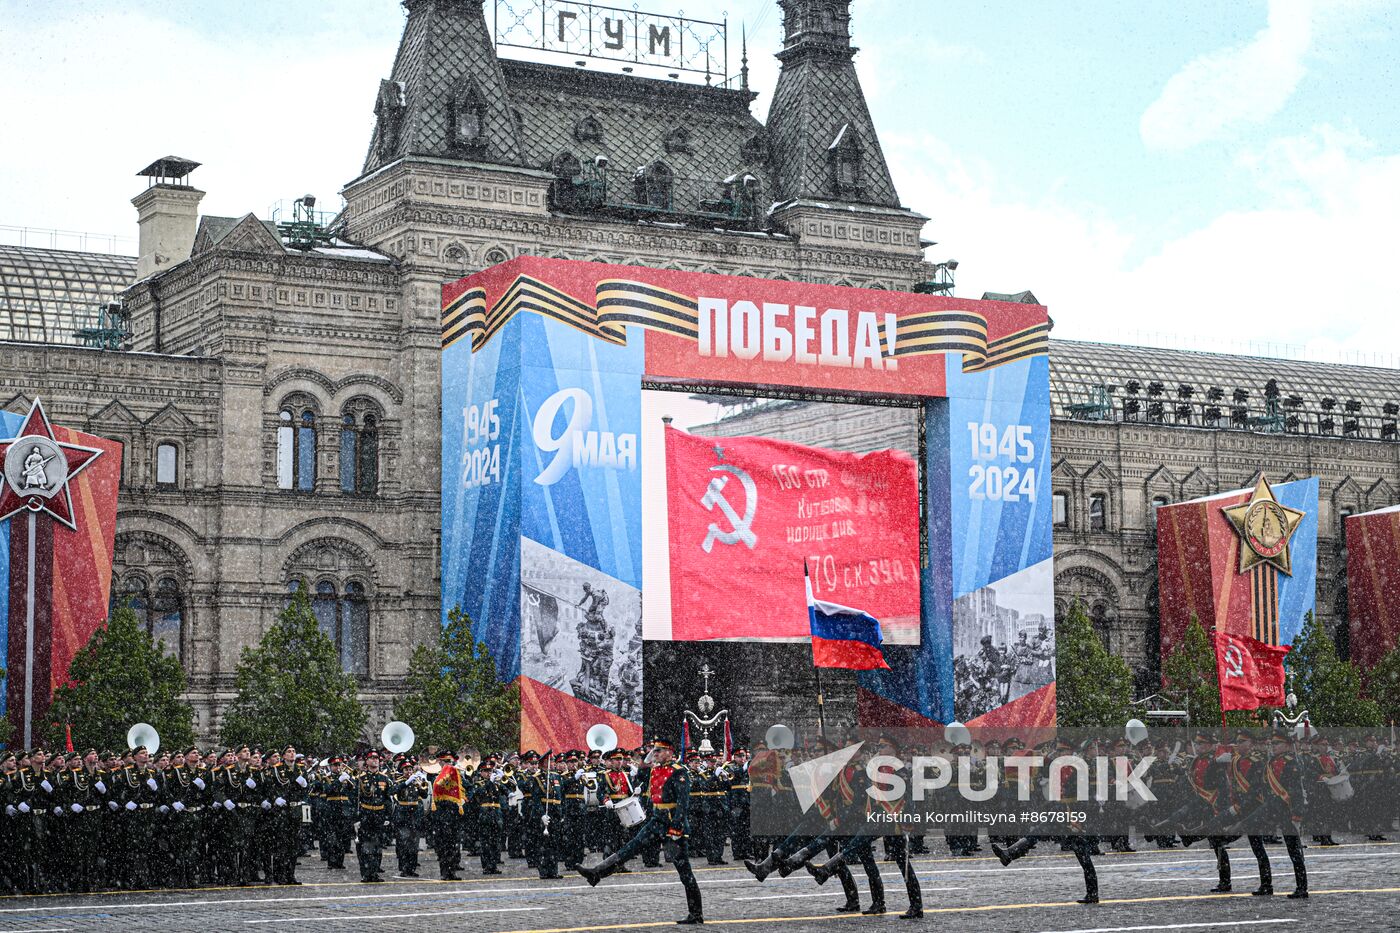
x: 1250, y: 672
x: 744, y: 514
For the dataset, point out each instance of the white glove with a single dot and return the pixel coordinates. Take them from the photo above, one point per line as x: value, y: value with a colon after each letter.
x: 266, y: 805
x: 301, y: 780
x: 131, y: 805
x: 344, y: 778
x: 281, y: 801
x: 151, y: 783
x: 111, y: 804
x: 57, y: 811
x: 24, y: 808
x: 578, y: 775
x: 162, y: 809
x: 179, y: 807
x: 76, y: 807
x: 46, y: 785
x: 199, y: 782
x: 250, y: 784
x: 545, y: 819
x: 228, y: 804
x: 101, y: 788
x: 9, y: 810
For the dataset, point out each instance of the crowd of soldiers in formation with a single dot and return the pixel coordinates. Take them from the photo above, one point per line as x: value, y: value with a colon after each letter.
x: 93, y: 821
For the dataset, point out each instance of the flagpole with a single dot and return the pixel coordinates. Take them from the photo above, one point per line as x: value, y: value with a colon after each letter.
x: 821, y: 702
x: 29, y: 632
x: 1219, y: 684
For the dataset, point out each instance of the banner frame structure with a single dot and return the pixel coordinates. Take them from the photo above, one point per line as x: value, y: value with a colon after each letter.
x: 544, y: 363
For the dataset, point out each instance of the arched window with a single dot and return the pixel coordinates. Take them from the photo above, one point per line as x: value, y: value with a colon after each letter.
x: 1098, y: 512
x: 345, y: 621
x: 167, y: 465
x: 359, y: 449
x: 134, y: 595
x: 296, y: 448
x: 161, y: 615
x: 354, y: 620
x: 1152, y: 507
x: 167, y: 616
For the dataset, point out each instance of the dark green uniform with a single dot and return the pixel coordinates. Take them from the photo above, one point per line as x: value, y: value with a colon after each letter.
x: 373, y: 795
x: 407, y: 821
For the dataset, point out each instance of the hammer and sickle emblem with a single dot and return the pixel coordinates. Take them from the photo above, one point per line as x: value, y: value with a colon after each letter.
x: 1234, y: 661
x: 740, y: 528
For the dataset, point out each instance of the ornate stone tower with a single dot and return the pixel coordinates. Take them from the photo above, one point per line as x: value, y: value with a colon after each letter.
x: 823, y: 140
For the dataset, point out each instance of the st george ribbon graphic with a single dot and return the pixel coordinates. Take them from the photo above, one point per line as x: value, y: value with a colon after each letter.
x: 58, y: 577
x: 746, y: 512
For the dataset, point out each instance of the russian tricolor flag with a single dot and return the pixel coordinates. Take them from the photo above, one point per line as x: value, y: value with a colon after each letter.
x: 842, y: 636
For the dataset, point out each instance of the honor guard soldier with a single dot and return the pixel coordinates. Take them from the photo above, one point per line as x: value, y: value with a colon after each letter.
x: 574, y: 778
x: 738, y: 798
x: 550, y: 822
x: 619, y: 785
x: 710, y: 815
x: 485, y: 797
x: 78, y: 801
x: 373, y: 794
x: 409, y: 794
x: 1373, y: 774
x: 144, y: 791
x: 667, y: 784
x: 339, y: 813
x: 14, y: 867
x: 1074, y: 795
x: 445, y: 817
x: 1283, y: 796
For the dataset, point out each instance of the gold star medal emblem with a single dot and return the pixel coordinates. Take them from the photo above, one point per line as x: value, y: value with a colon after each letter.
x: 1265, y: 526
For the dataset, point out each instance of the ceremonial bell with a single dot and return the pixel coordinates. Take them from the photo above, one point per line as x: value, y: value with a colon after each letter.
x: 143, y: 733
x: 397, y: 736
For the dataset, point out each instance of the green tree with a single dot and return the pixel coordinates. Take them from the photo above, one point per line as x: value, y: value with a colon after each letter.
x: 455, y: 697
x: 1189, y: 675
x: 1328, y: 687
x: 121, y: 677
x: 1383, y: 685
x: 1093, y: 687
x: 291, y: 688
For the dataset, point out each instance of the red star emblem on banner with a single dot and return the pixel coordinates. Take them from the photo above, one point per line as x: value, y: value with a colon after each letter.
x: 38, y: 468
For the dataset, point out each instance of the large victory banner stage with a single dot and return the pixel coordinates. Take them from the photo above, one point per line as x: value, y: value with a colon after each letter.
x: 548, y: 366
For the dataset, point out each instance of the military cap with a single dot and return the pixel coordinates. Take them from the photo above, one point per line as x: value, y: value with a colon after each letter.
x: 663, y: 743
x: 407, y: 763
x: 8, y: 756
x: 739, y: 750
x: 1014, y: 743
x: 530, y: 756
x: 445, y: 755
x: 240, y: 749
x: 336, y: 760
x: 615, y: 754
x: 371, y: 754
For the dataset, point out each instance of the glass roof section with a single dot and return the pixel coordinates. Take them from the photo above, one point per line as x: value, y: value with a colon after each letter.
x: 1104, y: 382
x: 48, y: 294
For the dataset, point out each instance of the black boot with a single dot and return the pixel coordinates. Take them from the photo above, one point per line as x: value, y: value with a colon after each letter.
x: 876, y: 908
x: 760, y: 870
x: 598, y: 872
x: 695, y: 914
x: 823, y: 872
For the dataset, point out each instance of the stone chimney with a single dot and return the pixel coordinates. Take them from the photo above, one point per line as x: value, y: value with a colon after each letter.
x: 168, y: 215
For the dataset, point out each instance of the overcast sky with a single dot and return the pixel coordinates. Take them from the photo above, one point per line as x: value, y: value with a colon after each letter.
x: 1191, y: 173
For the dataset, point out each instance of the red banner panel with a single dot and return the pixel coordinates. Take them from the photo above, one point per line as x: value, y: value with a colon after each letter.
x: 1373, y: 579
x: 1250, y: 672
x: 745, y: 513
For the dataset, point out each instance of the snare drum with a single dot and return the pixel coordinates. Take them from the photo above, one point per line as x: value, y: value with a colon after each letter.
x: 630, y: 812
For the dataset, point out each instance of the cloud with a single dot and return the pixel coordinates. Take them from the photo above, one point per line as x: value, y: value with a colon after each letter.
x: 1308, y: 276
x: 106, y: 92
x: 1246, y: 83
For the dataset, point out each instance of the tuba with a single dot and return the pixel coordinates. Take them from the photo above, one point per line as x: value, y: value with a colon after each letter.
x: 143, y: 734
x: 397, y: 736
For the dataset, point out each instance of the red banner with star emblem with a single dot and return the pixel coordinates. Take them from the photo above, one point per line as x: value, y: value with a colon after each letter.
x: 744, y: 513
x: 1251, y: 672
x: 58, y: 497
